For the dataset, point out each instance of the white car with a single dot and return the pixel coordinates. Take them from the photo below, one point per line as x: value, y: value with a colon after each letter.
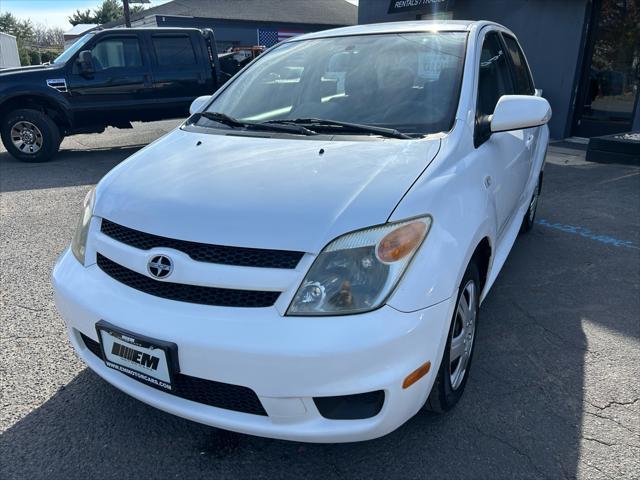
x: 304, y: 257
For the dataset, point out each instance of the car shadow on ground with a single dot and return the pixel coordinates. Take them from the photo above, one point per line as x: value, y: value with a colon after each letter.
x: 69, y: 168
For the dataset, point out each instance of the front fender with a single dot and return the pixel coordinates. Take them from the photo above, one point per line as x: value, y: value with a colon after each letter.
x: 45, y: 95
x: 463, y: 214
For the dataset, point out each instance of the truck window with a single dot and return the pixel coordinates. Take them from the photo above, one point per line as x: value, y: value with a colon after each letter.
x: 172, y: 50
x: 116, y: 52
x: 524, y: 83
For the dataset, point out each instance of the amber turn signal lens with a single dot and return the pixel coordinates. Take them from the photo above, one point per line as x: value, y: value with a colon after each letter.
x: 401, y: 242
x: 416, y: 375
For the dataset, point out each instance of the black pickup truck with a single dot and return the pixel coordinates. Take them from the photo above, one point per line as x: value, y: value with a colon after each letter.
x: 107, y: 78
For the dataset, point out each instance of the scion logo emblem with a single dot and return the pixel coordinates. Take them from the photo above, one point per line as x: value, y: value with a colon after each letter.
x: 160, y: 266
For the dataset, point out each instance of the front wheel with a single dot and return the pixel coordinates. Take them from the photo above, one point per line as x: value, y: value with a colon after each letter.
x: 456, y: 360
x: 30, y: 135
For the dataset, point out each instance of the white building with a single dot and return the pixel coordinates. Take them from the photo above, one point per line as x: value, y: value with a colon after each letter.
x: 9, y: 56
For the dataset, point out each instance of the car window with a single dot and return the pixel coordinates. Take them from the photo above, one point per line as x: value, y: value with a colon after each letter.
x: 408, y: 81
x: 174, y: 50
x: 116, y: 53
x: 73, y: 49
x: 494, y: 79
x: 522, y: 77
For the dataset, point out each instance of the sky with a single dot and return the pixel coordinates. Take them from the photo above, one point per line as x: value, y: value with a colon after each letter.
x: 54, y: 13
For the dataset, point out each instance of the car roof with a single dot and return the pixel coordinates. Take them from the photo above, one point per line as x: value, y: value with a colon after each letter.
x: 395, y: 27
x: 146, y: 29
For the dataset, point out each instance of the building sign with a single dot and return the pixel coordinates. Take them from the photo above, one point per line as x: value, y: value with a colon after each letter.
x: 423, y: 6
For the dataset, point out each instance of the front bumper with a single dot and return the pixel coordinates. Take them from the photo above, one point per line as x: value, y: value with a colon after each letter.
x: 286, y: 361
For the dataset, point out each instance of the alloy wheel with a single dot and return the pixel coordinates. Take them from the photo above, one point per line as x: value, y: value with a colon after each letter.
x: 26, y: 137
x: 463, y: 335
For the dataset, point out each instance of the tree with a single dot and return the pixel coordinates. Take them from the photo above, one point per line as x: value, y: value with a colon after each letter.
x: 108, y: 11
x: 80, y: 17
x: 36, y: 43
x: 48, y: 37
x: 22, y: 30
x: 34, y: 57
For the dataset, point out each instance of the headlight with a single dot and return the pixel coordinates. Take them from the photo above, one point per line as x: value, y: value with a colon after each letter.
x: 79, y: 242
x: 357, y: 271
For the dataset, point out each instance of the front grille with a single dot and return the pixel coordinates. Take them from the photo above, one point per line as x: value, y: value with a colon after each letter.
x: 204, y: 252
x: 208, y: 392
x: 181, y: 292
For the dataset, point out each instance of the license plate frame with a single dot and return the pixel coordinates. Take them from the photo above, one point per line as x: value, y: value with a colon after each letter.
x: 135, y: 355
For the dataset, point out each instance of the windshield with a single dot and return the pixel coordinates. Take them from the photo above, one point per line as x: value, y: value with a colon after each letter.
x: 71, y: 51
x: 408, y: 81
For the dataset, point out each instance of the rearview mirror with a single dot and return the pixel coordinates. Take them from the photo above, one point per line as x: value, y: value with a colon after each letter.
x: 85, y: 63
x: 198, y: 103
x: 514, y: 112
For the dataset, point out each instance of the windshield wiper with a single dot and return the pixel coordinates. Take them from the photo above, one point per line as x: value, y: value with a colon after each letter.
x: 318, y: 123
x: 222, y: 118
x: 234, y: 123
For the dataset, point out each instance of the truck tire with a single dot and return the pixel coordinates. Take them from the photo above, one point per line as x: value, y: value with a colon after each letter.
x: 30, y: 135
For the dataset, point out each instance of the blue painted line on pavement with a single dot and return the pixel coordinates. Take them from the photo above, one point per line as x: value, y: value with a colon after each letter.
x: 586, y: 233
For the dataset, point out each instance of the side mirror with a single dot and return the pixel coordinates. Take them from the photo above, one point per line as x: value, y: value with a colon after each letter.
x: 514, y: 112
x: 85, y: 63
x: 198, y: 103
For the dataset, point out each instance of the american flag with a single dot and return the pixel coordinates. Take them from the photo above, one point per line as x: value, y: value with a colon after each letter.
x: 269, y: 38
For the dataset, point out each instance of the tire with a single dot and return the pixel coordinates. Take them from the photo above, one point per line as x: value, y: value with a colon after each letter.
x: 530, y: 217
x: 452, y: 375
x: 30, y: 135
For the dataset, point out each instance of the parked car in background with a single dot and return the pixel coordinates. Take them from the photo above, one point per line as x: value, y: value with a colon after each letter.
x: 305, y: 257
x: 107, y: 78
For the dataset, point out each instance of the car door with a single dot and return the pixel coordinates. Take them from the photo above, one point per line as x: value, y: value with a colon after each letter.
x: 523, y: 85
x: 119, y: 88
x: 505, y: 153
x: 181, y: 70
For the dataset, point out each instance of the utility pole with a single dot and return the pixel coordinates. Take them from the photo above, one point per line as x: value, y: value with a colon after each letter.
x: 127, y: 13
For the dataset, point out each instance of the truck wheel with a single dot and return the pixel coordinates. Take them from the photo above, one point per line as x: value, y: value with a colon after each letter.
x: 458, y: 352
x: 30, y: 136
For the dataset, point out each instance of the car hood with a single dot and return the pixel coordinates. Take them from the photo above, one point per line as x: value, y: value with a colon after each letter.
x: 27, y: 70
x: 290, y: 194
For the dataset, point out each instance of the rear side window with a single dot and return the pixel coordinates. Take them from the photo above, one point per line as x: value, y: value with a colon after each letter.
x: 524, y: 82
x: 116, y: 53
x: 174, y: 50
x: 494, y: 79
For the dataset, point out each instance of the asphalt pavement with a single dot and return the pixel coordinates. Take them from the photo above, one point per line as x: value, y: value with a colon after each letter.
x: 553, y: 391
